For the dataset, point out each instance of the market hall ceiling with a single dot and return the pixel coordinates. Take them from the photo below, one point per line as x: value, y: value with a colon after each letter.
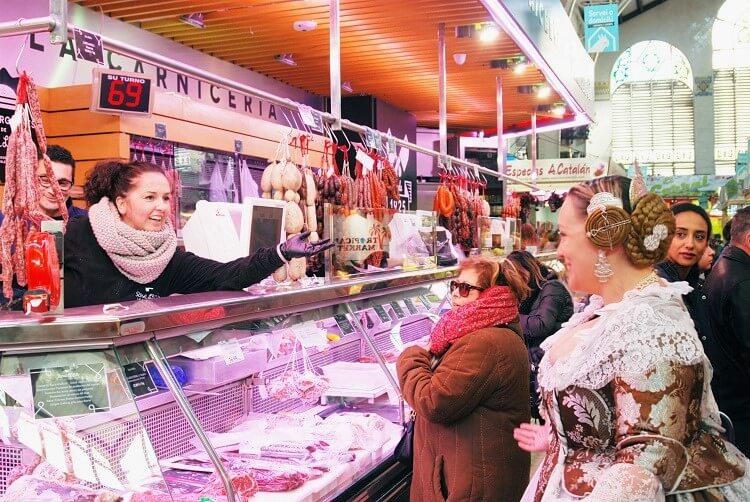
x: 388, y: 50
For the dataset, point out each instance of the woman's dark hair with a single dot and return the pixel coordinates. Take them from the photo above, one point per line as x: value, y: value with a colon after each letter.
x: 529, y: 267
x: 687, y: 207
x: 114, y: 179
x: 727, y: 232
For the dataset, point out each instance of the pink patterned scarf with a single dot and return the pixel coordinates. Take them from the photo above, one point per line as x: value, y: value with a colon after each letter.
x: 496, y: 305
x: 140, y: 255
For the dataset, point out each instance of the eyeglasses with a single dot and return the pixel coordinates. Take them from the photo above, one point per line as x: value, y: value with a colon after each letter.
x: 464, y: 288
x: 64, y: 184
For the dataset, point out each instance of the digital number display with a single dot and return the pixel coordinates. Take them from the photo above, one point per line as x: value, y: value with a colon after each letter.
x: 122, y: 92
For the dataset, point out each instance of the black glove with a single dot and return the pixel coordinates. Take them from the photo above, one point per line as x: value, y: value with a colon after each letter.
x: 299, y: 247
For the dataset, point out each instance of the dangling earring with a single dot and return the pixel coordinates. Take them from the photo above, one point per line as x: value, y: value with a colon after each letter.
x: 602, y: 269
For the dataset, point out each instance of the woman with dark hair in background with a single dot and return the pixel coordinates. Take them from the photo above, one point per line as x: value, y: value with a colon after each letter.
x: 126, y: 249
x: 542, y: 313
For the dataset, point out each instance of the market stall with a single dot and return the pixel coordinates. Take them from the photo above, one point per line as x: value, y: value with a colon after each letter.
x: 289, y: 392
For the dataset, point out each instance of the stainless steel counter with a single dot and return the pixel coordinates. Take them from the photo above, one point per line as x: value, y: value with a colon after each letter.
x: 92, y: 326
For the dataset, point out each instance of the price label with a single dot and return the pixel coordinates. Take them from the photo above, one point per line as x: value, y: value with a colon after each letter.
x: 425, y: 301
x: 382, y: 314
x: 311, y: 118
x: 391, y: 145
x: 139, y: 379
x: 310, y: 335
x: 122, y: 92
x: 231, y: 352
x: 367, y: 162
x: 410, y: 306
x: 398, y: 310
x: 89, y: 46
x: 344, y: 325
x: 432, y: 297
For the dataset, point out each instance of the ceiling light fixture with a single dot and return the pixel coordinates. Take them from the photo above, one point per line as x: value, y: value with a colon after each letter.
x: 196, y: 20
x: 459, y: 58
x: 558, y: 109
x: 287, y: 59
x: 305, y: 25
x: 520, y: 66
x: 489, y: 33
x: 543, y: 92
x: 347, y: 86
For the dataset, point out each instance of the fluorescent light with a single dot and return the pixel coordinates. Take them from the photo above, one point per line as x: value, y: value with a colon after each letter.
x: 558, y: 110
x: 543, y: 92
x: 196, y: 19
x: 347, y: 86
x: 579, y: 120
x: 287, y: 59
x: 489, y: 33
x: 520, y: 67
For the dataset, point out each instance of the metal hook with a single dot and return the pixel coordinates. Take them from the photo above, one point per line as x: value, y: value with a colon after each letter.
x: 23, y: 48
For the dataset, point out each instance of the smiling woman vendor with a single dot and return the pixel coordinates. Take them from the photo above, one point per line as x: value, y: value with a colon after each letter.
x: 127, y: 248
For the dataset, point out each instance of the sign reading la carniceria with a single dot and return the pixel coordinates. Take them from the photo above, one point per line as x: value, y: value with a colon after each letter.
x: 558, y: 170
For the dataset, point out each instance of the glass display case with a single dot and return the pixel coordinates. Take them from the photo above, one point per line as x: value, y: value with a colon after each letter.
x: 368, y: 241
x: 268, y: 395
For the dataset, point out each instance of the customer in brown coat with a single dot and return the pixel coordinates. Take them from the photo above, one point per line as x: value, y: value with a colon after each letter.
x: 470, y: 390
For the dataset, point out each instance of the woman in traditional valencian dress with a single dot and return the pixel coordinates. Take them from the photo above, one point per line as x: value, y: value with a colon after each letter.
x: 625, y: 385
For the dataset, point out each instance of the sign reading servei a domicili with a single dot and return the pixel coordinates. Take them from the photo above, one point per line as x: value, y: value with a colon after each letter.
x: 121, y: 92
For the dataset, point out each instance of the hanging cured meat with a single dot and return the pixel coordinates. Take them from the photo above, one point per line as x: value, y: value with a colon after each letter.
x: 21, y: 197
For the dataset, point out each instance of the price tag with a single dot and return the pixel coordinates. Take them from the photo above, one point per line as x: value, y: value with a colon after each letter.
x: 397, y: 310
x: 258, y: 325
x: 89, y: 46
x: 391, y: 145
x: 238, y: 146
x: 311, y: 118
x: 382, y: 314
x: 310, y: 335
x: 410, y: 306
x: 344, y: 325
x: 366, y: 161
x: 65, y: 391
x: 425, y: 301
x: 139, y: 379
x: 231, y: 352
x: 432, y: 297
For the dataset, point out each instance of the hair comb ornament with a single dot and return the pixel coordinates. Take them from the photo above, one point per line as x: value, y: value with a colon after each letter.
x: 638, y: 185
x: 659, y: 233
x: 608, y: 223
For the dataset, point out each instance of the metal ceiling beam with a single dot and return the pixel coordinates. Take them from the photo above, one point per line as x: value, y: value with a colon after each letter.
x: 640, y: 10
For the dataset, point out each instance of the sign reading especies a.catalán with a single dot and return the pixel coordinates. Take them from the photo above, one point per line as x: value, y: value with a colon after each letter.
x: 558, y: 170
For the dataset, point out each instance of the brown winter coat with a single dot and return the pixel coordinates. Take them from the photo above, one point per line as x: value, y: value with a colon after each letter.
x: 466, y: 411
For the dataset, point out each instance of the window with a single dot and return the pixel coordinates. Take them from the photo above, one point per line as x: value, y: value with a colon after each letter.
x: 731, y: 63
x: 652, y: 109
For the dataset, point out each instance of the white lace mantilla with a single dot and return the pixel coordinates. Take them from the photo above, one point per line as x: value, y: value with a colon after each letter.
x: 647, y: 327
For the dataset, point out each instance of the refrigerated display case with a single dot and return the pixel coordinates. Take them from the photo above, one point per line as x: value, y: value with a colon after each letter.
x: 282, y: 393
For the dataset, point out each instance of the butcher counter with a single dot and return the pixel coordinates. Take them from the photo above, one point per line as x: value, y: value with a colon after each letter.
x: 278, y: 393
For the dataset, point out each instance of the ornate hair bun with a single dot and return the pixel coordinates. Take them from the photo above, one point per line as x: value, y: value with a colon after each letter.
x: 608, y: 224
x: 652, y: 230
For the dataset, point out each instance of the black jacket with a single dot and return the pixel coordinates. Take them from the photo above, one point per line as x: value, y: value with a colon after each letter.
x: 696, y: 301
x: 543, y: 313
x: 91, y: 277
x: 728, y: 290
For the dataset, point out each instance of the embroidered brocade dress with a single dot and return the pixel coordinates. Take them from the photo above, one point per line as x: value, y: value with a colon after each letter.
x: 631, y: 409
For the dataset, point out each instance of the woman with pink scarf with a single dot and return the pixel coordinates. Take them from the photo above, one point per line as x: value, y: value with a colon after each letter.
x: 127, y: 248
x: 470, y: 390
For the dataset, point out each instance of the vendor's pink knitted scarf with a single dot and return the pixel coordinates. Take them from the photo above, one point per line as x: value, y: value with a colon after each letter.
x: 140, y: 255
x: 496, y: 305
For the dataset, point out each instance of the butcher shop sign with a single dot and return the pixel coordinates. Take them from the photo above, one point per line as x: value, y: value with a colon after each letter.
x: 558, y: 170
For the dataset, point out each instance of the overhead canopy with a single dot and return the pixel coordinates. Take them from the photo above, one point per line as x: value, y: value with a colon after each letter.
x: 388, y: 50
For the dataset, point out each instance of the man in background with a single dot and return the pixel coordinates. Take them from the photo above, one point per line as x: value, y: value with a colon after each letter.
x: 728, y: 290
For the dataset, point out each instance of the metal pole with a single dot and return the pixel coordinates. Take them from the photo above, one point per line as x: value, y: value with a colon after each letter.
x: 500, y: 136
x: 159, y: 360
x: 381, y: 361
x: 533, y: 149
x: 442, y: 90
x: 335, y: 63
x: 26, y: 26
